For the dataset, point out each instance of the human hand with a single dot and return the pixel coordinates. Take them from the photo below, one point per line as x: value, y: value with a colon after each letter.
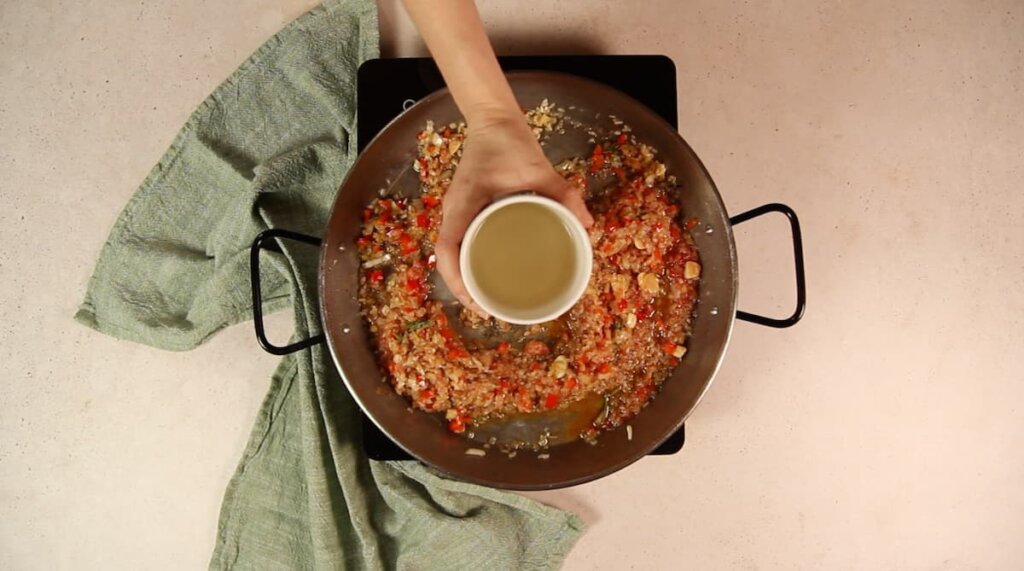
x: 500, y: 156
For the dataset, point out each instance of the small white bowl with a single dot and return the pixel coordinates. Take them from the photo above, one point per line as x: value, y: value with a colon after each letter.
x: 555, y: 307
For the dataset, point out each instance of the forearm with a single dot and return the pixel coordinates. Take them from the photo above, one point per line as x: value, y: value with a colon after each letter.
x: 455, y: 36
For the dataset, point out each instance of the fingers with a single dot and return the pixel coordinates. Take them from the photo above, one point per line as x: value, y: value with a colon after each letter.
x: 459, y: 208
x: 447, y: 251
x: 561, y: 190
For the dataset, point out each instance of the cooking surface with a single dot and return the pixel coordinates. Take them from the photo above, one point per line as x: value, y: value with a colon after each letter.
x: 880, y: 433
x: 387, y: 86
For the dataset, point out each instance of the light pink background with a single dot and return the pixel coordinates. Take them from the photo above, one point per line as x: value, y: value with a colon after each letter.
x: 883, y: 432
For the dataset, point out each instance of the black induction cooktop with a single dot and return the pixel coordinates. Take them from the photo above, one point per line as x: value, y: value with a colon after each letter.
x: 386, y: 87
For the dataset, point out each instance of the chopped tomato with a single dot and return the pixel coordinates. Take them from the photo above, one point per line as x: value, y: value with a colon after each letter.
x: 523, y: 401
x: 504, y: 346
x: 691, y: 223
x: 668, y: 347
x: 603, y: 368
x: 571, y: 383
x: 446, y: 133
x: 551, y: 401
x: 536, y: 348
x: 457, y: 353
x: 622, y: 305
x: 422, y: 220
x: 376, y: 276
x: 363, y: 241
x: 622, y: 139
x: 431, y: 201
x: 645, y: 312
x: 643, y: 392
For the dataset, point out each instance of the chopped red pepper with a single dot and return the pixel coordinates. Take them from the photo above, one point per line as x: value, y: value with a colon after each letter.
x: 407, y: 244
x: 414, y: 285
x: 363, y: 241
x: 571, y: 383
x: 457, y: 353
x: 457, y: 425
x: 691, y: 223
x: 622, y: 139
x: 551, y: 401
x: 504, y: 346
x: 422, y: 220
x: 426, y: 397
x: 668, y: 347
x: 447, y: 132
x: 376, y: 276
x: 603, y: 368
x: 431, y: 201
x: 622, y: 304
x: 596, y: 159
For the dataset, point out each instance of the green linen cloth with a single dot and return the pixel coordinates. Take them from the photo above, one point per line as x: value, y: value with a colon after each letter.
x: 269, y: 148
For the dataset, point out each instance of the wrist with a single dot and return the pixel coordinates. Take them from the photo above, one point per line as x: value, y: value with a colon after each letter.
x: 485, y: 115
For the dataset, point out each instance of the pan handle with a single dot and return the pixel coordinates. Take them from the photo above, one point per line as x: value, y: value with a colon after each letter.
x: 268, y: 240
x: 798, y: 262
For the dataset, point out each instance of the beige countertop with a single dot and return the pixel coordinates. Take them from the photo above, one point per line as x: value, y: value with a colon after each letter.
x: 881, y: 433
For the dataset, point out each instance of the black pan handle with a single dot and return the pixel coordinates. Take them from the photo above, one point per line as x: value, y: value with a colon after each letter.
x: 268, y: 240
x: 798, y: 262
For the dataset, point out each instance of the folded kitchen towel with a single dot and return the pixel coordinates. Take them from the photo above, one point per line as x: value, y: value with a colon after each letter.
x: 269, y: 148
